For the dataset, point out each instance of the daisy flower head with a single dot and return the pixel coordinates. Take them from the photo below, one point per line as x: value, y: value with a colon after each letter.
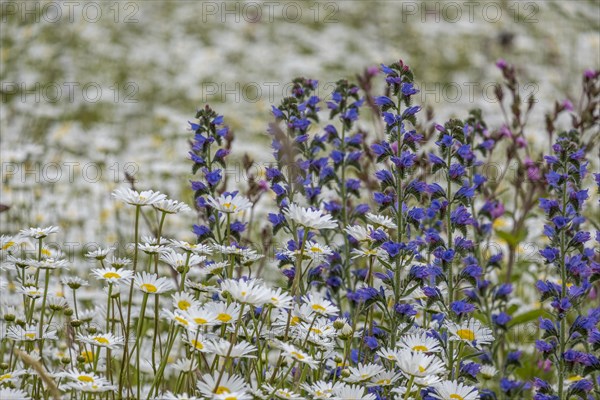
x: 230, y: 203
x: 181, y: 318
x: 38, y: 233
x: 107, y: 340
x: 152, y: 284
x: 11, y: 376
x: 290, y: 351
x: 352, y: 392
x: 453, y: 390
x: 202, y: 316
x: 198, y: 343
x: 309, y: 218
x: 381, y: 220
x: 28, y: 334
x: 169, y: 206
x: 74, y: 282
x: 228, y: 384
x: 420, y: 343
x: 184, y: 301
x: 197, y: 248
x: 363, y: 372
x: 385, y: 378
x: 319, y: 304
x: 224, y: 313
x: 320, y: 389
x: 135, y: 198
x: 418, y: 364
x: 241, y: 349
x: 112, y: 275
x: 470, y: 331
x: 173, y: 396
x: 100, y: 253
x: 13, y: 394
x: 178, y: 261
x: 246, y: 292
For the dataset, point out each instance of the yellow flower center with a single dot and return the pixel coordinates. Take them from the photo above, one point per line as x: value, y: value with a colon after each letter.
x: 421, y: 369
x: 8, y: 245
x: 46, y: 252
x: 183, y: 304
x: 316, y: 249
x: 466, y: 334
x: 101, y: 340
x: 111, y: 275
x: 295, y: 320
x: 297, y: 355
x: 222, y: 389
x: 197, y: 344
x: 85, y: 378
x: 456, y: 396
x: 5, y: 377
x: 318, y: 308
x: 384, y: 382
x: 420, y: 348
x: 316, y: 330
x: 148, y: 287
x: 182, y: 321
x: 224, y: 317
x: 30, y: 336
x: 88, y: 356
x: 244, y: 293
x: 371, y: 252
x: 281, y: 393
x: 200, y: 321
x: 229, y: 206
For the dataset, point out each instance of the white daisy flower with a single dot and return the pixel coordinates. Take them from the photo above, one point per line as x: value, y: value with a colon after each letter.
x: 28, y: 334
x: 488, y: 371
x: 247, y: 292
x: 381, y: 220
x: 31, y: 291
x: 173, y: 396
x: 363, y: 372
x: 202, y: 316
x: 13, y: 394
x: 420, y: 343
x: 453, y: 390
x: 107, y: 340
x: 229, y: 204
x: 112, y: 275
x: 223, y: 348
x: 309, y: 218
x: 281, y: 393
x: 152, y: 284
x: 359, y: 253
x: 291, y: 351
x: 320, y: 389
x: 118, y: 263
x: 129, y: 196
x: 225, y: 314
x: 319, y: 304
x: 184, y: 301
x: 470, y: 331
x: 11, y: 376
x: 178, y: 261
x: 419, y: 365
x: 169, y: 206
x: 38, y: 233
x: 280, y: 299
x: 352, y: 392
x: 198, y: 343
x: 227, y: 385
x: 385, y: 378
x: 198, y: 248
x: 99, y: 254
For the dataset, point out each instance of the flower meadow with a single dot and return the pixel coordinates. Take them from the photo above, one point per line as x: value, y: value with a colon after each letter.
x: 380, y: 254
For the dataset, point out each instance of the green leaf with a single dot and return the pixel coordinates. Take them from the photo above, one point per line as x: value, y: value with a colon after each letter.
x: 527, y: 317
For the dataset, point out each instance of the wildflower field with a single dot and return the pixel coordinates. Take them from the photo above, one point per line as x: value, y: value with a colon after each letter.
x: 368, y: 249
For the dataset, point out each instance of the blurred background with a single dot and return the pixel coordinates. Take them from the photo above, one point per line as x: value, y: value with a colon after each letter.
x: 91, y: 89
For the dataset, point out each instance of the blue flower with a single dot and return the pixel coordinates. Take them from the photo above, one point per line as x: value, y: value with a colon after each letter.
x: 213, y: 177
x: 462, y: 307
x: 408, y: 89
x: 501, y: 319
x: 392, y: 248
x: 384, y: 101
x: 550, y: 254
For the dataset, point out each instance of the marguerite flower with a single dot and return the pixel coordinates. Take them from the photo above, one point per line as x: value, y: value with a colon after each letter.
x: 352, y: 392
x: 13, y: 394
x: 381, y: 220
x: 28, y: 334
x: 320, y: 389
x: 241, y: 349
x: 229, y: 204
x: 227, y: 385
x: 363, y: 372
x: 112, y: 275
x: 248, y: 292
x: 152, y: 284
x: 420, y: 343
x: 319, y: 304
x: 11, y: 376
x: 129, y: 196
x: 309, y: 218
x: 470, y: 331
x: 169, y: 206
x: 178, y: 261
x: 291, y: 351
x: 453, y: 390
x: 107, y: 340
x: 184, y: 301
x: 225, y: 314
x: 38, y: 233
x: 419, y: 365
